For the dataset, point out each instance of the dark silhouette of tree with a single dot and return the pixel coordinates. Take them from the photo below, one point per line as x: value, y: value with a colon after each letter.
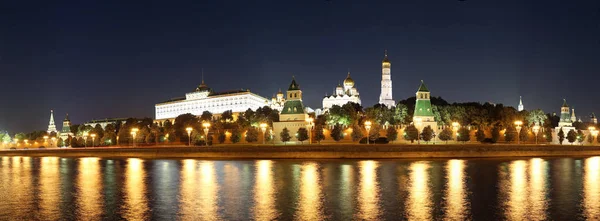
x: 319, y: 135
x: 427, y: 134
x: 561, y: 136
x: 284, y: 136
x: 446, y: 134
x: 463, y: 135
x: 391, y: 134
x: 480, y: 135
x: 411, y: 133
x: 252, y: 135
x: 302, y: 134
x: 571, y: 136
x: 548, y: 134
x: 357, y: 133
x: 336, y: 132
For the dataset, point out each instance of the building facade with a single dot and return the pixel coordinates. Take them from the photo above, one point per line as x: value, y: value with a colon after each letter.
x: 342, y: 94
x: 423, y: 114
x: 104, y: 122
x: 277, y: 101
x: 293, y: 116
x: 385, y: 97
x: 204, y: 99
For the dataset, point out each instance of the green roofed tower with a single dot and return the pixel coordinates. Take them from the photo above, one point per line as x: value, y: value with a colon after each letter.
x: 565, y: 115
x: 293, y: 115
x: 423, y: 114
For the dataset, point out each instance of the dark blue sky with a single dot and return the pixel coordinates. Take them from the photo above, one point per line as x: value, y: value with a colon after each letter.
x: 98, y: 59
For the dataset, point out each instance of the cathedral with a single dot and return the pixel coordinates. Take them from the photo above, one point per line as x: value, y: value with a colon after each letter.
x: 342, y: 95
x: 386, y: 83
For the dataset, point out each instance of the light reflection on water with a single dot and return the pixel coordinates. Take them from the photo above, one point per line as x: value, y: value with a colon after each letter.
x: 52, y: 188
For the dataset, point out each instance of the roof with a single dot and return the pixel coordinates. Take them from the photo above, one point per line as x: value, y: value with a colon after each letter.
x: 565, y: 103
x: 423, y: 108
x: 106, y: 120
x: 423, y: 88
x: 294, y: 86
x: 67, y: 118
x: 293, y: 107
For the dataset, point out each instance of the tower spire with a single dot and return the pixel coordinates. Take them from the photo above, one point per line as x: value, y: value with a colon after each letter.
x: 521, y: 107
x: 51, y: 125
x: 202, y: 75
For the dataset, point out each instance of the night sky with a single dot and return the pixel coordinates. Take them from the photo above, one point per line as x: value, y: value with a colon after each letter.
x: 104, y: 59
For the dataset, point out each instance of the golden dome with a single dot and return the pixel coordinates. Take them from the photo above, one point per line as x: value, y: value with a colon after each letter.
x: 349, y: 82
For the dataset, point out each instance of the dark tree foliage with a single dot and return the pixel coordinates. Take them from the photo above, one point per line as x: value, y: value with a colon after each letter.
x: 524, y: 134
x: 495, y: 134
x: 411, y: 133
x: 427, y: 134
x: 205, y: 117
x: 357, y: 133
x: 548, y: 134
x: 302, y: 134
x: 236, y: 135
x: 561, y: 136
x: 571, y: 136
x: 222, y: 138
x: 319, y: 135
x: 480, y: 135
x: 580, y: 136
x: 252, y: 135
x: 391, y: 134
x: 510, y: 134
x: 337, y: 133
x: 463, y: 135
x: 284, y: 136
x: 445, y: 135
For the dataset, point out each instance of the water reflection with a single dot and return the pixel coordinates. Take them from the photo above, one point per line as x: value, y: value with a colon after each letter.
x: 591, y: 189
x: 198, y: 191
x: 89, y: 189
x: 309, y: 205
x: 457, y: 206
x: 49, y: 193
x: 264, y: 192
x: 419, y: 195
x: 136, y: 204
x: 526, y: 192
x: 368, y: 190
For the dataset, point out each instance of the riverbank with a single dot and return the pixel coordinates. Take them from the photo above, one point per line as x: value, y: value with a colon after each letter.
x: 346, y: 151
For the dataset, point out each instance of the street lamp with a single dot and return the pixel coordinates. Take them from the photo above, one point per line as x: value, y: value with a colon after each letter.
x: 310, y: 121
x: 93, y: 140
x: 455, y: 126
x: 133, y: 133
x: 167, y: 138
x: 368, y: 127
x: 263, y: 128
x: 594, y: 133
x: 85, y: 136
x: 189, y: 131
x: 536, y: 129
x: 206, y: 125
x: 418, y: 122
x: 518, y: 126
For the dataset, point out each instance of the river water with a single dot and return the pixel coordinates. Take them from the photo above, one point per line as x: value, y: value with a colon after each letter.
x: 53, y: 188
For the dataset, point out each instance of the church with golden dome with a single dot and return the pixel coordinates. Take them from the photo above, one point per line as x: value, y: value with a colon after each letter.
x: 342, y: 95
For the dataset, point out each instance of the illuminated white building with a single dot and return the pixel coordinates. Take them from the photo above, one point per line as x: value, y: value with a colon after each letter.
x: 342, y: 94
x: 204, y: 99
x: 386, y: 83
x: 278, y: 101
x: 51, y: 125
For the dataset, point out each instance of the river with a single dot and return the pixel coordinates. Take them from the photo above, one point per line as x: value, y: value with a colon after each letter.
x: 53, y: 188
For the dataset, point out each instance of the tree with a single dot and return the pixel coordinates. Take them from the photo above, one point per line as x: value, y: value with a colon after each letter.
x: 221, y: 138
x: 60, y: 142
x: 571, y: 136
x: 391, y: 134
x: 548, y: 134
x: 411, y: 133
x: 495, y: 134
x: 336, y: 132
x: 302, y: 134
x: 357, y: 133
x: 252, y: 135
x: 20, y: 136
x: 590, y: 139
x: 179, y: 128
x: 427, y: 134
x: 236, y: 135
x: 319, y: 135
x: 6, y: 138
x: 510, y: 134
x: 284, y: 136
x: 98, y: 131
x: 227, y: 116
x: 446, y: 134
x: 374, y: 132
x: 480, y: 135
x: 561, y: 136
x: 537, y: 117
x: 524, y: 134
x: 205, y: 117
x: 463, y: 135
x: 580, y: 137
x: 149, y: 138
x: 401, y: 114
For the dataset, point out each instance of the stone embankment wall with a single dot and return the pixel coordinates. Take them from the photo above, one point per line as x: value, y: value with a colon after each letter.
x: 321, y: 151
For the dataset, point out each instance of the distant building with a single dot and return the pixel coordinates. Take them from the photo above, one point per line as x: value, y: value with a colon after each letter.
x: 204, y: 99
x: 106, y: 121
x: 423, y: 114
x: 385, y: 97
x: 342, y: 94
x: 51, y: 125
x: 293, y: 116
x: 65, y: 132
x: 565, y: 123
x: 278, y: 101
x: 593, y: 119
x: 521, y: 107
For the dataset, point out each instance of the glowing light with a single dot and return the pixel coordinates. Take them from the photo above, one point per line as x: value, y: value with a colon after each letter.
x: 264, y: 192
x: 368, y: 192
x: 591, y: 188
x: 136, y: 204
x: 457, y: 205
x: 49, y: 193
x: 310, y: 207
x: 419, y: 203
x: 88, y: 188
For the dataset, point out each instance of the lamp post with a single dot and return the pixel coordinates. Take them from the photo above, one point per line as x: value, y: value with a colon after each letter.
x: 310, y: 121
x: 93, y: 140
x: 594, y: 133
x: 418, y: 122
x: 206, y: 125
x: 536, y: 129
x: 263, y: 128
x: 368, y: 128
x: 117, y: 140
x: 189, y: 132
x: 133, y: 133
x: 518, y: 126
x: 85, y: 136
x: 45, y: 140
x: 455, y: 126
